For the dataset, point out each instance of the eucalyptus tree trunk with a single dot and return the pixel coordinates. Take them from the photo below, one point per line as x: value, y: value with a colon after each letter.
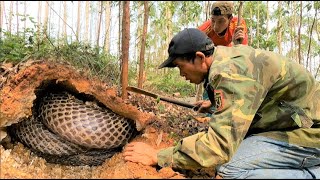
x: 143, y: 43
x: 119, y: 33
x: 24, y: 15
x: 78, y: 20
x: 50, y: 4
x: 39, y: 19
x: 292, y: 27
x: 251, y: 33
x: 310, y: 37
x: 125, y: 47
x: 279, y: 27
x: 168, y: 17
x: 138, y: 33
x: 296, y: 55
x: 87, y: 21
x: 46, y: 17
x: 107, y: 26
x: 299, y: 35
x: 99, y: 23
x: 208, y: 10
x: 58, y: 34
x: 92, y: 14
x: 65, y: 21
x: 169, y: 25
x: 267, y: 25
x: 10, y: 16
x: 1, y: 17
x: 17, y: 12
x: 258, y: 25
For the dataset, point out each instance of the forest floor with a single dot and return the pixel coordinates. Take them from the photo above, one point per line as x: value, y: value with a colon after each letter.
x: 172, y: 123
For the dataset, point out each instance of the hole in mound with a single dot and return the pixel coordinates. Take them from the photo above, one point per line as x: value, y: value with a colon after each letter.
x: 63, y: 131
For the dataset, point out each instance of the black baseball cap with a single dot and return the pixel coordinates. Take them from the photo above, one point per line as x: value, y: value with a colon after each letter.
x: 187, y: 41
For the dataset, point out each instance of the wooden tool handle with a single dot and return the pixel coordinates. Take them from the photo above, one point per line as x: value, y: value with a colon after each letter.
x: 239, y: 41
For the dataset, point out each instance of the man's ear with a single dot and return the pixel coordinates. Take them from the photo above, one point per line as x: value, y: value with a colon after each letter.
x: 200, y: 55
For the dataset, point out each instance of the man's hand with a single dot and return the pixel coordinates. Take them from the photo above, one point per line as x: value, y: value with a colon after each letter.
x: 140, y: 152
x: 203, y: 106
x: 238, y: 35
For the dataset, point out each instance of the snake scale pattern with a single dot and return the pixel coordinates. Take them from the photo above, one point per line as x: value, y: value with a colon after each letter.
x: 66, y: 130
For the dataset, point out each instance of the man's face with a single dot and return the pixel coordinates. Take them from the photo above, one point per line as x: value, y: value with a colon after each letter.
x: 192, y: 71
x: 219, y: 23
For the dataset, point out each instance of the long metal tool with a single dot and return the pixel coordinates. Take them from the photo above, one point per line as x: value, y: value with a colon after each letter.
x: 156, y: 96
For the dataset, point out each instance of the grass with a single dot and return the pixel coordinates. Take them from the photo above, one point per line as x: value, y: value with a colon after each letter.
x: 95, y: 61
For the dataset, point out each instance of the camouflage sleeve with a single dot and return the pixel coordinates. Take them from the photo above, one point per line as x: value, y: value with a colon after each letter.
x: 238, y: 98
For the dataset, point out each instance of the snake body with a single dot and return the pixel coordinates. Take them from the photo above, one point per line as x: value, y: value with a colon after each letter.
x: 68, y: 131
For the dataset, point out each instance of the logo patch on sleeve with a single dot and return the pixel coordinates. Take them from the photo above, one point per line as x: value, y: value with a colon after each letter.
x: 219, y: 99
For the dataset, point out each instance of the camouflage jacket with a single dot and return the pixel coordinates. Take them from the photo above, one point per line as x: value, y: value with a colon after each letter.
x: 256, y: 92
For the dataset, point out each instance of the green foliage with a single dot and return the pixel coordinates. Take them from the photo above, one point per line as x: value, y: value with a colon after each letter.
x: 172, y: 82
x: 13, y: 48
x: 102, y: 65
x: 189, y: 12
x: 27, y: 45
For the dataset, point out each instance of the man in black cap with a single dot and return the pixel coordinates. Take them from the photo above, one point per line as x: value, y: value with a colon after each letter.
x: 267, y: 118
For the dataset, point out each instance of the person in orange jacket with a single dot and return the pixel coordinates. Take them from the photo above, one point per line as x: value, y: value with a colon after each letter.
x: 223, y: 28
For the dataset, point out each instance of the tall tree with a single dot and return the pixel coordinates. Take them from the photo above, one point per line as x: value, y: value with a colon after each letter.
x: 207, y: 9
x: 267, y: 23
x: 125, y: 47
x: 1, y: 17
x: 46, y: 18
x: 143, y: 43
x: 119, y: 33
x: 99, y: 21
x: 17, y: 15
x: 10, y: 16
x: 169, y: 9
x: 78, y: 20
x: 295, y: 21
x: 107, y: 26
x: 310, y: 36
x: 258, y: 25
x: 25, y: 16
x: 279, y: 26
x: 58, y: 34
x: 292, y: 26
x: 92, y: 14
x: 65, y: 21
x: 251, y: 29
x: 39, y: 19
x: 87, y: 21
x: 139, y: 29
x: 299, y: 35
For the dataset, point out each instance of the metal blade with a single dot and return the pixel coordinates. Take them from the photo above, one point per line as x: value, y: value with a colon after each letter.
x: 167, y: 99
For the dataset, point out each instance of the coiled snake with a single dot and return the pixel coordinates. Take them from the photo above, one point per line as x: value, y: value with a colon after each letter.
x: 68, y: 131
